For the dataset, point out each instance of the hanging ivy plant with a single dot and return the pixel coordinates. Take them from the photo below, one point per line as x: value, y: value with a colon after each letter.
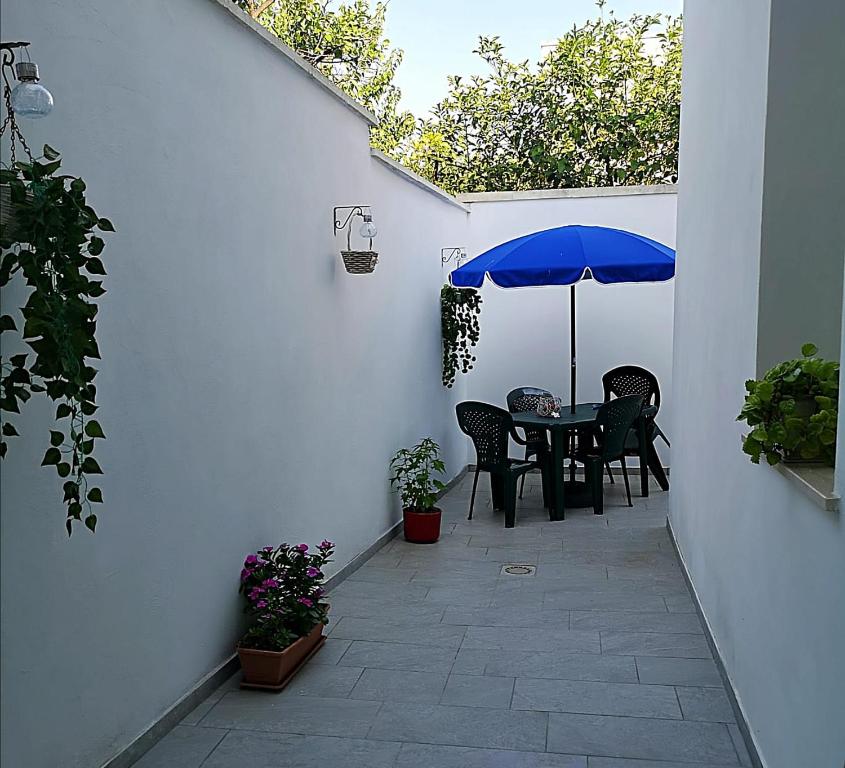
x: 48, y: 236
x: 459, y: 312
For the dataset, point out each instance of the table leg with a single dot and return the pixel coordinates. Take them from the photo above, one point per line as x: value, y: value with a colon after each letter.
x: 558, y: 451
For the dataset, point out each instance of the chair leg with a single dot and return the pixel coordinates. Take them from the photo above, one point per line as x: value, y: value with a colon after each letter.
x: 509, y: 483
x: 522, y: 484
x: 472, y: 498
x: 609, y: 472
x: 627, y: 484
x: 595, y: 480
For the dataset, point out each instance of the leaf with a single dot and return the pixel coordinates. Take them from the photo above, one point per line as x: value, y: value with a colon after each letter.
x: 77, y: 185
x: 93, y: 429
x: 63, y: 469
x: 91, y: 522
x: 96, y: 245
x: 105, y: 225
x: 91, y: 467
x: 95, y: 495
x: 809, y: 350
x: 9, y: 430
x: 7, y: 323
x: 19, y: 361
x: 95, y: 266
x: 63, y: 411
x: 56, y: 438
x: 50, y: 153
x: 51, y: 457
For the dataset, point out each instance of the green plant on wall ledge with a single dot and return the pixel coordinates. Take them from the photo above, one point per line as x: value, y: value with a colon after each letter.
x: 48, y: 237
x: 459, y: 312
x: 793, y: 410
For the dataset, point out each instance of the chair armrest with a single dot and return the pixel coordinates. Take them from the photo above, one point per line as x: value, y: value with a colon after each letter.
x: 517, y: 438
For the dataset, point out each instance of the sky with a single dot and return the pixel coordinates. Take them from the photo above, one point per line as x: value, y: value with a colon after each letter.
x: 438, y: 36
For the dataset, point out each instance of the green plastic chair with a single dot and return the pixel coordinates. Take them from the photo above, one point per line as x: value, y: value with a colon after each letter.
x: 524, y: 399
x: 489, y: 428
x: 614, y: 420
x: 634, y: 380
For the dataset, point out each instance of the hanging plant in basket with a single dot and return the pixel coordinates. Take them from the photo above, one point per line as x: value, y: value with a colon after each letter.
x: 460, y: 309
x: 793, y: 411
x: 48, y: 237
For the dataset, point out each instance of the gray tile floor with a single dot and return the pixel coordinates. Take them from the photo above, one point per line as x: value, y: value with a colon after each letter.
x: 436, y: 660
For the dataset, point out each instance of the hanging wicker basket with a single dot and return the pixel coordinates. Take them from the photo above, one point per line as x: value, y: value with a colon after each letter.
x: 359, y: 262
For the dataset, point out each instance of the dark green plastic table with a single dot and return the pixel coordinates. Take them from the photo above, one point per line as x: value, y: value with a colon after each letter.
x: 573, y: 493
x: 560, y: 429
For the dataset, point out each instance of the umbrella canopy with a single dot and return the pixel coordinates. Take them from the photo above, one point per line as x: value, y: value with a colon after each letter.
x: 565, y: 255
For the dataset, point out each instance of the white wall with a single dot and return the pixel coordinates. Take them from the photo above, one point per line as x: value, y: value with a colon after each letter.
x: 767, y: 564
x: 251, y: 390
x: 803, y: 205
x: 525, y: 333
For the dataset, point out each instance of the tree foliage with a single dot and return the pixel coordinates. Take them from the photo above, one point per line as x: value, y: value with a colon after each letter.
x: 601, y: 109
x: 346, y: 42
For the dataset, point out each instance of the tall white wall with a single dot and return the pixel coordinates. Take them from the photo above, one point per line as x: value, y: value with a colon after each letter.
x: 525, y: 332
x: 251, y: 390
x: 767, y: 564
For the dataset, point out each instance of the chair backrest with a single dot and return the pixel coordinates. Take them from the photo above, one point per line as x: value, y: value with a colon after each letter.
x: 524, y: 399
x: 615, y: 418
x: 489, y: 427
x: 632, y: 380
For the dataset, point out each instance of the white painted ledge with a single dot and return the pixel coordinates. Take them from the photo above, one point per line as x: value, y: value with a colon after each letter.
x: 815, y: 481
x: 553, y: 194
x: 414, y: 178
x: 294, y: 58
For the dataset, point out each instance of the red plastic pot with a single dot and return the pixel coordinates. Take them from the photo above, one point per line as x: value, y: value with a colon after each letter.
x: 421, y: 526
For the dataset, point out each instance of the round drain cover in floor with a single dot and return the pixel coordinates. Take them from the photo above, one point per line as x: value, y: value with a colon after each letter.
x: 518, y: 570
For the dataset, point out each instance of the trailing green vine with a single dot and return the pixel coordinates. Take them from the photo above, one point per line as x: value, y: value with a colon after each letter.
x: 48, y: 237
x: 459, y: 312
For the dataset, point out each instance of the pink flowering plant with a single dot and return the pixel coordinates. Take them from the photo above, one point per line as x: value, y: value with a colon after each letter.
x: 283, y: 591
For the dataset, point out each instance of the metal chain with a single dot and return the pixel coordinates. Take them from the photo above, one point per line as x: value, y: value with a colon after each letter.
x: 15, y: 135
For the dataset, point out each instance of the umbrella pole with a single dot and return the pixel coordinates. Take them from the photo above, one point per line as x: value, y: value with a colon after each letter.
x: 572, y: 348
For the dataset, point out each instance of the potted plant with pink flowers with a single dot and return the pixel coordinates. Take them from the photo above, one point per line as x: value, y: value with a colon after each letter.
x: 284, y: 596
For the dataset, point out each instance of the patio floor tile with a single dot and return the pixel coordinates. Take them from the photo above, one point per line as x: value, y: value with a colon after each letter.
x: 276, y: 750
x: 431, y: 756
x: 637, y: 737
x: 416, y: 658
x: 436, y: 659
x: 184, y: 746
x: 462, y: 726
x: 655, y: 644
x: 668, y: 671
x: 260, y: 711
x: 591, y: 698
x: 478, y: 691
x: 400, y: 685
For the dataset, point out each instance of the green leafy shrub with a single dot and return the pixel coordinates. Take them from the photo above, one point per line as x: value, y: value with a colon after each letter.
x: 793, y: 410
x: 413, y: 471
x: 460, y: 309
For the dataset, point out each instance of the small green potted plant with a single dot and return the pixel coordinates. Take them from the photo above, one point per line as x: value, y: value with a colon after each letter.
x: 413, y: 475
x: 284, y: 595
x: 792, y: 411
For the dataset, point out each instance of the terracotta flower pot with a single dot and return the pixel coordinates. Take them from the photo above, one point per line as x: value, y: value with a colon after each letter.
x: 272, y: 669
x: 421, y: 527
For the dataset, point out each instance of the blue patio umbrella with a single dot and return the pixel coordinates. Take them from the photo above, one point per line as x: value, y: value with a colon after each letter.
x: 565, y: 256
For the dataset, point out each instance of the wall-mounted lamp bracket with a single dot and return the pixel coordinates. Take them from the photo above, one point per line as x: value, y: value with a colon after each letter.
x: 448, y: 254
